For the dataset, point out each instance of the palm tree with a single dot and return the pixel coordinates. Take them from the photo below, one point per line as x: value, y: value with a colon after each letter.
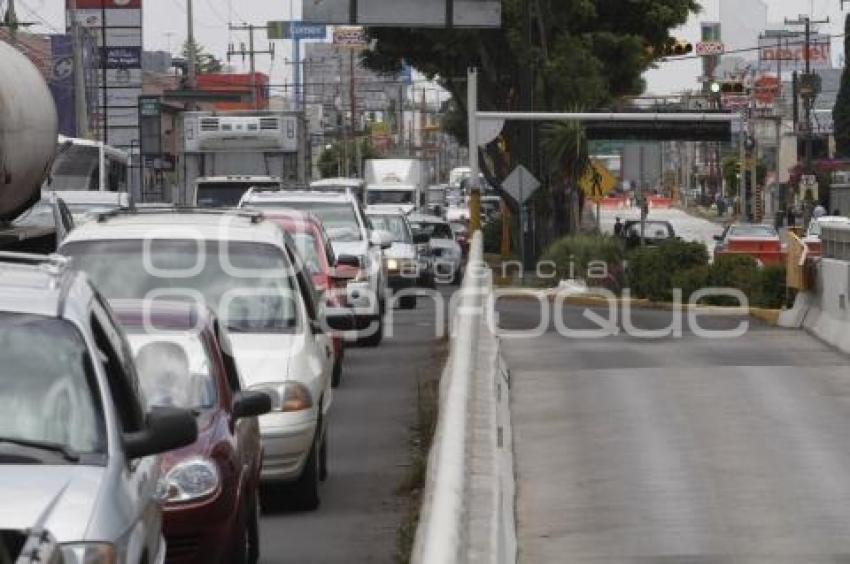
x: 565, y: 148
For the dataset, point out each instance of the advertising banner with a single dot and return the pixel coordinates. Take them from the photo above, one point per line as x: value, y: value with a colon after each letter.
x: 62, y: 83
x: 789, y: 53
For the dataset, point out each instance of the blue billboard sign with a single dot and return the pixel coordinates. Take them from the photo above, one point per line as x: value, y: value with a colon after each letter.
x: 301, y: 30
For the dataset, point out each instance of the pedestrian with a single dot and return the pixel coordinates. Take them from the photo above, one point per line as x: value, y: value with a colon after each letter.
x: 819, y: 211
x: 790, y: 218
x: 835, y: 212
x: 618, y: 228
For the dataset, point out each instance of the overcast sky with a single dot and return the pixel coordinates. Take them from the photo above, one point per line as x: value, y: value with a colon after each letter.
x: 165, y: 24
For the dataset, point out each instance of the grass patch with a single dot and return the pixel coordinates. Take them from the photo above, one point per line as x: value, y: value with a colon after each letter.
x: 421, y: 438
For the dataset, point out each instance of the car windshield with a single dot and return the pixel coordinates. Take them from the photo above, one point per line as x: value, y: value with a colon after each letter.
x: 401, y: 197
x: 175, y: 369
x: 76, y: 168
x: 651, y: 230
x: 752, y: 231
x: 307, y: 246
x: 40, y: 215
x: 339, y: 219
x: 248, y: 285
x: 225, y: 194
x: 47, y: 398
x: 434, y: 230
x: 395, y: 224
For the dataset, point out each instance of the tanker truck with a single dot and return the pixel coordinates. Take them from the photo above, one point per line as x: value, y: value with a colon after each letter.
x: 28, y: 133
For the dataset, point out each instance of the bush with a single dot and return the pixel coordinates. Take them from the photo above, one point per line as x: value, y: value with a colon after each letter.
x: 583, y: 256
x: 733, y: 271
x: 651, y: 270
x: 770, y: 287
x: 691, y: 280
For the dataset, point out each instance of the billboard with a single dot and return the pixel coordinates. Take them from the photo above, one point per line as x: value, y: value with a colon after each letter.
x: 408, y: 13
x: 789, y: 52
x: 116, y: 25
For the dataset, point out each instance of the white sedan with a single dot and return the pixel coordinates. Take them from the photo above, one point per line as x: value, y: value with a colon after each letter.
x: 446, y: 251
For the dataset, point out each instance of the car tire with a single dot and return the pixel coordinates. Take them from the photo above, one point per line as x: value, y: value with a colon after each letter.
x: 253, y: 537
x: 407, y: 302
x: 306, y: 489
x: 336, y: 374
x: 323, y: 459
x: 457, y: 277
x: 246, y: 549
x: 376, y: 337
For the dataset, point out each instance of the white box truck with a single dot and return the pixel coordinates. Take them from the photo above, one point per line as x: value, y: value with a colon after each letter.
x: 225, y: 153
x: 395, y: 184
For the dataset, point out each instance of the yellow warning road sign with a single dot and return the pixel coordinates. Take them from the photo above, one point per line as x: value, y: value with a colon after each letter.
x: 597, y: 182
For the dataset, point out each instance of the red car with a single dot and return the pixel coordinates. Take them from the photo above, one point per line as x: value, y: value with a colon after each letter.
x: 208, y: 490
x: 317, y: 255
x: 759, y: 241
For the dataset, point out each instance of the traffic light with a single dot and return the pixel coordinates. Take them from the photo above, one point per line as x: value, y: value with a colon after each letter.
x: 733, y: 87
x: 675, y: 47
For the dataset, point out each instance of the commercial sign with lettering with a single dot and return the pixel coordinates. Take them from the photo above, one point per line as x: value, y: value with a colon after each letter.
x: 789, y: 53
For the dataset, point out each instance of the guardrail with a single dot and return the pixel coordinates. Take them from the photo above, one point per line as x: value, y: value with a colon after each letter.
x: 467, y: 511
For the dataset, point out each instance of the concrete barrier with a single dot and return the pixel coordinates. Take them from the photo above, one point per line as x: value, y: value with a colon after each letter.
x: 825, y: 310
x: 468, y: 503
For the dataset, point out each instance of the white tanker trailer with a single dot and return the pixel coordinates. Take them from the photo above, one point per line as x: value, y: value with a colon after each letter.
x: 28, y: 133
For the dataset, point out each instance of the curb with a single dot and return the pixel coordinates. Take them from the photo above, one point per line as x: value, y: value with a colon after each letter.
x: 766, y: 315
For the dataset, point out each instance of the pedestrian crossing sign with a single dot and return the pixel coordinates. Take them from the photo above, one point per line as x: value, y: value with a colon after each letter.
x: 597, y: 182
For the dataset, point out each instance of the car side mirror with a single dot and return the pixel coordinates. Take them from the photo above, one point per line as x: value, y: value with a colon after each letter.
x: 251, y: 404
x: 166, y: 428
x: 339, y: 319
x: 381, y: 238
x: 421, y: 238
x: 348, y: 260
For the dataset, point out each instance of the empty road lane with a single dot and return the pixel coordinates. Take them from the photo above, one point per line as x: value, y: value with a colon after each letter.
x: 686, y: 450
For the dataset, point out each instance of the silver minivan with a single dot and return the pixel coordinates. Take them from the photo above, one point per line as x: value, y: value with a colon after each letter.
x: 77, y: 450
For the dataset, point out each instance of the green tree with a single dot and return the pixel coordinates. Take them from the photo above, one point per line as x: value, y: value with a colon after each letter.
x: 732, y: 170
x: 565, y: 148
x: 205, y: 63
x: 841, y: 110
x: 332, y: 160
x: 585, y: 53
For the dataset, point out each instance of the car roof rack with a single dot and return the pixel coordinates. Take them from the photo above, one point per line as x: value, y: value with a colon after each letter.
x: 255, y: 216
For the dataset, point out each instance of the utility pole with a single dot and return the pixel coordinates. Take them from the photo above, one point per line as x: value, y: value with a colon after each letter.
x: 352, y: 95
x: 10, y: 19
x: 80, y: 106
x: 191, y: 63
x: 252, y: 53
x: 809, y: 86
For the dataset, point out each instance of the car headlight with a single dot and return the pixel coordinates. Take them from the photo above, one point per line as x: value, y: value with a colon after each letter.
x: 287, y: 396
x: 188, y: 480
x: 392, y: 264
x: 88, y: 553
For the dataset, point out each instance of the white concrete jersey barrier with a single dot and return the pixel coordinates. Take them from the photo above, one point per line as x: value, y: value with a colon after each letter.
x: 469, y: 498
x: 825, y: 311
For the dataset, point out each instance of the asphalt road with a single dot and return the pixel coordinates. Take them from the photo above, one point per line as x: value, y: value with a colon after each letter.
x: 369, y: 453
x: 679, y: 451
